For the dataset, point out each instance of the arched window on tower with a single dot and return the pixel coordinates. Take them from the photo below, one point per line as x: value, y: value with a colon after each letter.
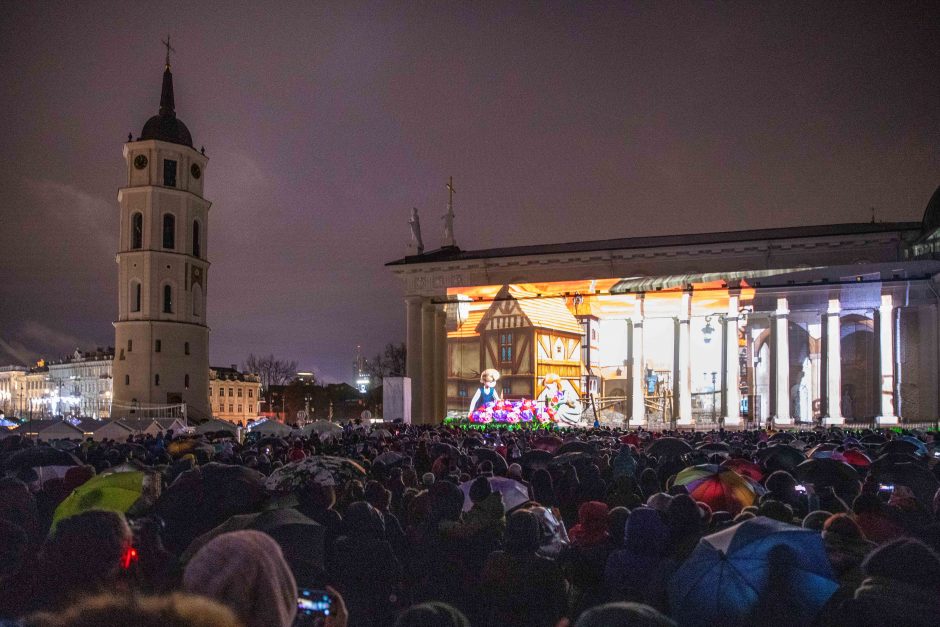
x: 197, y: 246
x: 135, y: 296
x: 169, y: 230
x: 167, y: 299
x: 137, y: 231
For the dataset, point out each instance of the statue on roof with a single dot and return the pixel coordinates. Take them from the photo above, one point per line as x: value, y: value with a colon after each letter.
x: 415, y: 224
x: 449, y: 216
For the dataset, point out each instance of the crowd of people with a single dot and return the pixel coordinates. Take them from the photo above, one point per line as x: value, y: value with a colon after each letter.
x: 419, y: 526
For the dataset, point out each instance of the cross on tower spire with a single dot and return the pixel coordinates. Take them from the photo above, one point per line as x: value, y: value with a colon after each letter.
x: 169, y: 49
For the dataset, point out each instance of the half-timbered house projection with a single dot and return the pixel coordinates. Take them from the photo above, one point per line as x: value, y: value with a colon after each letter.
x: 525, y: 337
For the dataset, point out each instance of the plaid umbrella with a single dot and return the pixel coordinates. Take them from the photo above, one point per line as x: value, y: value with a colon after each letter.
x: 323, y: 469
x: 719, y: 487
x: 115, y: 492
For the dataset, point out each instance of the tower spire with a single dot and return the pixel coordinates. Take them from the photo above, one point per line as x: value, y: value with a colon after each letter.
x: 167, y: 104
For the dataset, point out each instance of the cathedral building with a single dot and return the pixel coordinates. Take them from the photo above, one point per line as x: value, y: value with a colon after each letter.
x: 820, y: 324
x: 161, y: 334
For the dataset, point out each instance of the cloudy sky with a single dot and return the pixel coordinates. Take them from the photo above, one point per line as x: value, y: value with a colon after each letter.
x: 325, y: 122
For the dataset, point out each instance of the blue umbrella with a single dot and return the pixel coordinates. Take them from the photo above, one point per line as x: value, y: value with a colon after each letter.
x: 732, y: 573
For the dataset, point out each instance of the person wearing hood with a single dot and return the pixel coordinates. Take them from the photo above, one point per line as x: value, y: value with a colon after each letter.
x: 628, y: 572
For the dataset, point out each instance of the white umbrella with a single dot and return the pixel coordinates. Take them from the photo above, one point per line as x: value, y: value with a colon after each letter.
x: 322, y: 428
x: 514, y: 493
x: 380, y: 433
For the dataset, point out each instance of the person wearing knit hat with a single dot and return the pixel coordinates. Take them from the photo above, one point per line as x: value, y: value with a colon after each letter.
x: 246, y: 571
x: 427, y: 479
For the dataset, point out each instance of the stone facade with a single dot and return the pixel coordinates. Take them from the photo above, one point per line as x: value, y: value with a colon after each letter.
x: 234, y: 396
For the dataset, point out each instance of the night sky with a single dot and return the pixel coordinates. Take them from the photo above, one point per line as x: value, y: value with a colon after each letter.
x: 326, y: 122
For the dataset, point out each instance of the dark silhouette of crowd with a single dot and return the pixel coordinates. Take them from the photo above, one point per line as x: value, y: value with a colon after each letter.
x: 420, y: 526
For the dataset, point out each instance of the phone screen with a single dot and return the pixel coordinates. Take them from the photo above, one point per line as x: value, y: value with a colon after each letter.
x: 314, y: 602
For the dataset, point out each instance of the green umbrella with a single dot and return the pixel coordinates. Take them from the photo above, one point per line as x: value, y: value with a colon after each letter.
x: 115, y: 492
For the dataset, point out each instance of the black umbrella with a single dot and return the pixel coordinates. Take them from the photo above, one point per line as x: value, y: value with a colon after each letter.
x: 874, y: 438
x: 470, y: 443
x: 826, y: 471
x: 38, y: 456
x: 577, y: 446
x: 443, y: 448
x: 782, y: 436
x: 536, y: 458
x: 669, y: 447
x: 205, y: 497
x: 487, y: 454
x: 780, y: 457
x: 576, y: 458
x: 915, y: 476
x: 714, y: 447
x: 900, y: 446
x: 300, y: 538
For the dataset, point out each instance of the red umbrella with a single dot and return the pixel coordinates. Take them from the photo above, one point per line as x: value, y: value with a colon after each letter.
x: 745, y: 468
x: 856, y: 458
x: 721, y: 488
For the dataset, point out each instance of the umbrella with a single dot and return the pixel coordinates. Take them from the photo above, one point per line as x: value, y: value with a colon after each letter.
x: 745, y: 468
x: 874, y: 438
x: 826, y: 471
x: 206, y: 496
x: 855, y: 457
x: 380, y: 433
x: 577, y: 446
x: 782, y: 436
x: 550, y: 443
x: 514, y: 493
x: 470, y: 443
x: 115, y: 492
x: 730, y: 574
x: 38, y: 457
x: 904, y: 446
x: 388, y: 458
x: 669, y: 447
x: 322, y: 469
x: 780, y: 457
x: 487, y: 454
x: 322, y: 428
x: 271, y: 428
x: 915, y: 476
x: 575, y: 458
x: 714, y: 447
x: 536, y: 458
x: 301, y: 539
x: 214, y: 424
x: 821, y: 449
x: 720, y: 487
x: 443, y: 448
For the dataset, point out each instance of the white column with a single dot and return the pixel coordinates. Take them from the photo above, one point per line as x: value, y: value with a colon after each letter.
x: 684, y: 367
x: 637, y: 364
x: 884, y: 361
x: 427, y: 363
x: 413, y: 352
x: 781, y: 383
x: 731, y: 373
x: 833, y: 381
x: 439, y: 380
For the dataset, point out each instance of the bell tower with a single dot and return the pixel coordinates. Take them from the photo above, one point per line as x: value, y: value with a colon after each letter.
x: 161, y: 335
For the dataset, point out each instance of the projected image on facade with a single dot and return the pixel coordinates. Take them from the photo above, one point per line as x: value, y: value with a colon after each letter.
x: 673, y: 350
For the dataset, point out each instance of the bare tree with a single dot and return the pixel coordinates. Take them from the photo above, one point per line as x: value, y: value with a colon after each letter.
x: 270, y: 370
x: 391, y: 363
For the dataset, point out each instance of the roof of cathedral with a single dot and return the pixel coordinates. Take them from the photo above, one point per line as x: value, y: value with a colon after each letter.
x: 932, y: 213
x: 165, y: 126
x: 662, y: 241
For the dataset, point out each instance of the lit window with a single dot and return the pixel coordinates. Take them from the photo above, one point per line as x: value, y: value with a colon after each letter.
x: 505, y: 347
